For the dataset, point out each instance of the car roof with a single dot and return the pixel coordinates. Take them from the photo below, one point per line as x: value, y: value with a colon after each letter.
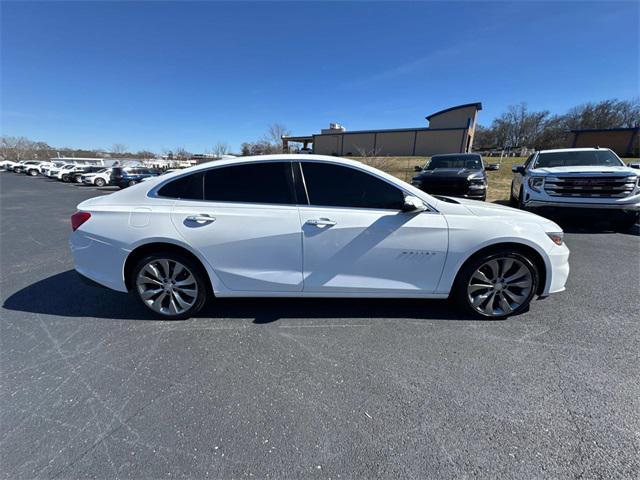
x: 456, y: 155
x: 562, y: 150
x: 274, y: 157
x: 303, y: 158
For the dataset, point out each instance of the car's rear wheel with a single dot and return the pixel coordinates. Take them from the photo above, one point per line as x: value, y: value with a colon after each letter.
x: 497, y: 285
x: 171, y: 285
x: 65, y: 178
x: 131, y: 183
x: 33, y: 173
x: 99, y: 182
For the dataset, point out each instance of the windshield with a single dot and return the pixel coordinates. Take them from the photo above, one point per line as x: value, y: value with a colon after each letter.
x: 455, y: 161
x: 594, y: 158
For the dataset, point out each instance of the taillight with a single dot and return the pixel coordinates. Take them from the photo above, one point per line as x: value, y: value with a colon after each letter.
x: 78, y: 219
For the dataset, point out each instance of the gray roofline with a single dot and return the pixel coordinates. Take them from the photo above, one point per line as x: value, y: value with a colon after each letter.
x: 478, y: 106
x: 419, y: 129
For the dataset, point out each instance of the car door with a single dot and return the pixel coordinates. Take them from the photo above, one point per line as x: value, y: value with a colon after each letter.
x: 246, y: 225
x: 518, y: 178
x: 356, y: 238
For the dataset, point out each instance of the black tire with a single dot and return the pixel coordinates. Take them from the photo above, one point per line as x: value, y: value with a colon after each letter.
x: 462, y: 300
x: 33, y: 173
x: 521, y: 199
x: 513, y: 201
x: 196, y: 270
x: 99, y: 182
x: 131, y: 183
x: 65, y: 178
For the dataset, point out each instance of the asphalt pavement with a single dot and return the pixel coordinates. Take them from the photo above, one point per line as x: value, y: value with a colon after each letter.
x: 92, y: 387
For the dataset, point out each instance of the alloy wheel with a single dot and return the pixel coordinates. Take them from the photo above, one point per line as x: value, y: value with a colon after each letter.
x: 499, y: 286
x: 167, y: 287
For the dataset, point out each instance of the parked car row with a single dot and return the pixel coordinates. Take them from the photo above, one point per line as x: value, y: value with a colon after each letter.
x: 572, y: 179
x: 98, y: 176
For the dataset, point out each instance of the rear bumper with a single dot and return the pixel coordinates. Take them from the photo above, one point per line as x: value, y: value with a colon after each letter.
x: 99, y: 260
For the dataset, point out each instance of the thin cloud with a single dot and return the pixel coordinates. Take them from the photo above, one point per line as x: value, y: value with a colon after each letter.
x: 409, y: 68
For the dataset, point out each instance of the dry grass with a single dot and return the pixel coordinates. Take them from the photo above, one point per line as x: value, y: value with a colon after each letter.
x: 499, y: 180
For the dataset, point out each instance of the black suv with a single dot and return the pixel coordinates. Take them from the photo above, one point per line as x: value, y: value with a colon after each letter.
x: 454, y: 174
x: 128, y: 176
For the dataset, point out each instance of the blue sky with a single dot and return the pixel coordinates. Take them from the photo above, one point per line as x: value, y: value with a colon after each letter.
x: 162, y: 75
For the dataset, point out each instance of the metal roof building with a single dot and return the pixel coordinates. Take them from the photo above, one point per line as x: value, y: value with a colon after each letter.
x: 449, y: 131
x: 624, y: 141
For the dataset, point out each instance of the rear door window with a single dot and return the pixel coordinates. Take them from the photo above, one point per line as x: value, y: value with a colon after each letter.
x: 269, y: 182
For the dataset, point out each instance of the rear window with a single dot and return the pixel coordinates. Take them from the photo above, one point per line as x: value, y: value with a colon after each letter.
x: 189, y: 187
x: 594, y: 158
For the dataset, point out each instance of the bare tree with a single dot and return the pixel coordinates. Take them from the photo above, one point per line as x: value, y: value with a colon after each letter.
x: 276, y: 131
x: 372, y: 158
x: 118, y: 149
x: 605, y: 114
x: 220, y: 149
x: 145, y: 154
x: 181, y: 153
x: 21, y: 148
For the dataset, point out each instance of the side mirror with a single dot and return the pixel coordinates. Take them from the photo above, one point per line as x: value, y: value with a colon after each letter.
x: 417, y: 168
x: 634, y: 165
x: 413, y: 205
x: 518, y: 169
x: 493, y: 166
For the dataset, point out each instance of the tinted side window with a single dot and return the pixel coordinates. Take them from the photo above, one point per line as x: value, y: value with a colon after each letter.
x: 338, y: 186
x: 189, y: 187
x: 252, y: 183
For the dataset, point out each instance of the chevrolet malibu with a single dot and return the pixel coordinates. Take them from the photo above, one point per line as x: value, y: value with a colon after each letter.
x: 311, y: 226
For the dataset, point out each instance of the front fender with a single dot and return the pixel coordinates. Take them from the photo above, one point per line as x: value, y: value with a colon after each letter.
x: 457, y: 257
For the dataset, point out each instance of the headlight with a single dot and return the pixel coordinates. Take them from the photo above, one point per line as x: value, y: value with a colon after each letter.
x: 556, y: 237
x: 535, y: 183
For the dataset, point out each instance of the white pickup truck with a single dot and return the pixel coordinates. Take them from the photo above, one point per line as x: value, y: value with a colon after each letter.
x: 592, y: 178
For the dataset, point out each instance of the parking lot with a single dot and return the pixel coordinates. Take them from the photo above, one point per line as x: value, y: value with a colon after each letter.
x: 93, y: 387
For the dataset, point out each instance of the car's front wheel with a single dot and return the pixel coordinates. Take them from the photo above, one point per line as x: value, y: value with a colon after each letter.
x: 99, y: 182
x: 33, y: 173
x: 497, y: 284
x: 171, y: 285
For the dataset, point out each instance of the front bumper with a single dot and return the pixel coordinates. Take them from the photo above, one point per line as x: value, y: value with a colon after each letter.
x: 558, y: 270
x: 468, y: 192
x: 604, y: 206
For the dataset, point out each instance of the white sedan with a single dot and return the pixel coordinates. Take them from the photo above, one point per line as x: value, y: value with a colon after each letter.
x: 311, y: 226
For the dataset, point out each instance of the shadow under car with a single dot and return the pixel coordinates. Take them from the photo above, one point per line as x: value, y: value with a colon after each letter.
x: 66, y: 294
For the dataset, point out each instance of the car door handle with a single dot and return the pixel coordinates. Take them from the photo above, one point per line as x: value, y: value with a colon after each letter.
x: 321, y: 222
x: 202, y: 218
